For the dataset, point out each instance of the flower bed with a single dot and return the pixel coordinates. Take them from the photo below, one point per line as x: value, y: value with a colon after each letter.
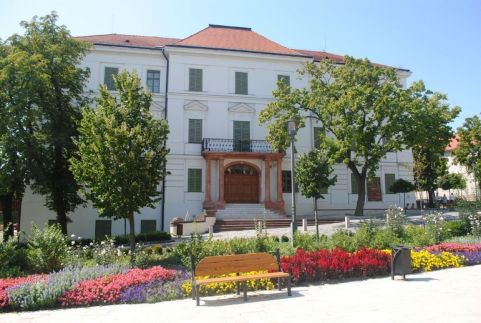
x: 108, y: 289
x: 471, y: 252
x: 425, y: 260
x: 11, y: 282
x: 335, y: 264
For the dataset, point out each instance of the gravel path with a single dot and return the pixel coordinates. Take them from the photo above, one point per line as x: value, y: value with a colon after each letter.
x: 450, y: 295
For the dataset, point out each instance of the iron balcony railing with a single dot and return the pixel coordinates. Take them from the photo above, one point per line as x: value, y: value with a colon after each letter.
x: 231, y: 145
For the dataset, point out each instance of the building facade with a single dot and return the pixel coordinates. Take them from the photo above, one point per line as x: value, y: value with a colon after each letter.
x: 211, y: 87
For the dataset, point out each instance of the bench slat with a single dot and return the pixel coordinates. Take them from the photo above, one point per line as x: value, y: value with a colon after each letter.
x: 218, y: 265
x: 241, y: 278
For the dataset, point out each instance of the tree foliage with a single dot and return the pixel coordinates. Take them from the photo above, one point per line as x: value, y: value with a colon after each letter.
x: 361, y: 105
x: 121, y: 152
x: 402, y: 186
x: 428, y: 133
x: 468, y: 152
x: 313, y: 174
x: 452, y: 181
x: 50, y: 102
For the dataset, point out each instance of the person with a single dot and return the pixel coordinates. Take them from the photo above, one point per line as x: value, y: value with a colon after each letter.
x: 445, y: 201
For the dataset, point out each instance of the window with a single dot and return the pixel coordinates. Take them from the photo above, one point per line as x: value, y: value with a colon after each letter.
x: 374, y: 189
x: 194, y: 180
x: 284, y: 78
x: 318, y: 131
x: 286, y: 181
x: 103, y: 228
x: 241, y: 85
x: 147, y: 226
x: 354, y: 183
x: 242, y: 136
x: 195, y: 79
x: 195, y: 131
x: 153, y: 81
x: 109, y: 74
x: 389, y: 179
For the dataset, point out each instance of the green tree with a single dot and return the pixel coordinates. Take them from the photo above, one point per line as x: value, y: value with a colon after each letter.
x: 428, y: 133
x: 452, y: 181
x: 313, y: 177
x: 402, y: 186
x: 58, y: 96
x: 469, y: 149
x: 360, y: 105
x: 121, y: 152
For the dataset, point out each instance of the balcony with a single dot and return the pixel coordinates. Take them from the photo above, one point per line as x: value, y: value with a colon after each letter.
x: 234, y: 146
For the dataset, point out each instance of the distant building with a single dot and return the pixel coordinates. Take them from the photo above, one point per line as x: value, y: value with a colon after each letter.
x: 211, y: 87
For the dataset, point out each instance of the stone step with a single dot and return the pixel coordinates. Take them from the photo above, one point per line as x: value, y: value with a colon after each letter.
x: 243, y: 224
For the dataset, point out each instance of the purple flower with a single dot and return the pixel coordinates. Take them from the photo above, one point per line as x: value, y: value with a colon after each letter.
x: 472, y: 257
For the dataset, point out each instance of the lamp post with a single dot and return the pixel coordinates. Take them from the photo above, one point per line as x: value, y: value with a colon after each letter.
x: 292, y: 131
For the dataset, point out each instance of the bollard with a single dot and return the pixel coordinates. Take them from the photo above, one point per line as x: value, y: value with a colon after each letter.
x: 304, y: 224
x: 211, y: 230
x: 347, y: 222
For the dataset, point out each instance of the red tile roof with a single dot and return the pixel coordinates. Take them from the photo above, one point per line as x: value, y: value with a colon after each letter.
x: 453, y: 144
x: 234, y: 38
x: 320, y: 56
x: 129, y: 40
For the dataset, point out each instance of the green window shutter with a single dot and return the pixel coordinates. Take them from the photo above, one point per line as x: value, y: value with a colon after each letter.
x: 195, y: 131
x: 389, y: 179
x: 153, y: 81
x: 241, y: 83
x: 242, y: 130
x: 284, y: 78
x: 194, y: 180
x: 109, y: 74
x: 195, y: 79
x: 103, y: 228
x: 318, y: 131
x: 354, y: 184
x: 147, y: 226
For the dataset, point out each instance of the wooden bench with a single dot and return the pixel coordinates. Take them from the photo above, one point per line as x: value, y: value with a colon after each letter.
x: 243, y: 263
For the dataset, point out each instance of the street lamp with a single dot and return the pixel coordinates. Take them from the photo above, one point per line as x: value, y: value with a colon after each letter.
x: 292, y: 131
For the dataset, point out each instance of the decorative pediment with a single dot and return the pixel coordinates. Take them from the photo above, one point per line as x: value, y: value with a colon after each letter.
x: 241, y: 108
x: 195, y: 106
x: 157, y: 110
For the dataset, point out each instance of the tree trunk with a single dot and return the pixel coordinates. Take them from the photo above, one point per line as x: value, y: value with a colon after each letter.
x: 132, y: 236
x: 316, y: 222
x: 361, y: 196
x: 431, y: 199
x: 7, y: 202
x: 61, y: 216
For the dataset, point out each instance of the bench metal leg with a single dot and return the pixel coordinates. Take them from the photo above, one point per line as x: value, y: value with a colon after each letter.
x: 279, y: 285
x: 237, y: 288
x: 244, y: 286
x: 289, y: 286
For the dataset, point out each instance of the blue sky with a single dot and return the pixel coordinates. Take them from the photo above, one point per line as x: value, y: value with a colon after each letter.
x: 439, y: 41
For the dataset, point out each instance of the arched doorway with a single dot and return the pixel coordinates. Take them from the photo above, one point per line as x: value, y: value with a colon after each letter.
x: 241, y: 184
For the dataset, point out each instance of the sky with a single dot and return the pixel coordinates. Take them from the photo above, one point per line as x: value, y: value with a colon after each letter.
x: 439, y: 41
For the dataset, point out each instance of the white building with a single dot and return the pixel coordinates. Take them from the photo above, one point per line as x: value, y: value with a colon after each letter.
x: 211, y: 87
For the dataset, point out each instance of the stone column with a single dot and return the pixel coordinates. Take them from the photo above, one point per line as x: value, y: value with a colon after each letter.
x: 267, y: 167
x: 221, y: 181
x: 208, y: 175
x: 279, y: 180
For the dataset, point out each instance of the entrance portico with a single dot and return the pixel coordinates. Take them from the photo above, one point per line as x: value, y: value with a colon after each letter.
x: 240, y: 177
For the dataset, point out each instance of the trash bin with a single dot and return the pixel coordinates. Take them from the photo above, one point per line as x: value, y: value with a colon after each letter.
x: 401, y: 261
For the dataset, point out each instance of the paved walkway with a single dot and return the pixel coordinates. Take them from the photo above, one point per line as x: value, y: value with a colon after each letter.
x: 450, y: 295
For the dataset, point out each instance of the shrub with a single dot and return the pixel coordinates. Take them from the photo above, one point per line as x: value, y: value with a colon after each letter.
x: 309, y: 242
x: 465, y: 239
x: 384, y: 239
x: 153, y: 236
x: 7, y: 283
x: 156, y: 249
x: 475, y: 222
x: 13, y: 259
x: 108, y: 289
x: 434, y: 225
x: 46, y: 292
x: 47, y: 248
x: 284, y: 238
x: 335, y: 264
x: 455, y: 228
x: 228, y: 287
x: 417, y: 236
x: 343, y: 239
x: 395, y: 220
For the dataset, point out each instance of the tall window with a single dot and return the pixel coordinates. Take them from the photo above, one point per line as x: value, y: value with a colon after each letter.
x: 354, y: 183
x: 195, y: 79
x: 103, y: 228
x: 374, y: 189
x: 284, y: 78
x: 286, y: 181
x: 194, y: 180
x: 389, y: 179
x: 242, y: 136
x: 318, y: 131
x: 241, y: 83
x: 147, y: 226
x: 109, y: 74
x: 195, y: 131
x: 153, y: 81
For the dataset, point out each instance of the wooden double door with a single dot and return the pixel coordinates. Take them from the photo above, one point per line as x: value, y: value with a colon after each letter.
x: 241, y: 184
